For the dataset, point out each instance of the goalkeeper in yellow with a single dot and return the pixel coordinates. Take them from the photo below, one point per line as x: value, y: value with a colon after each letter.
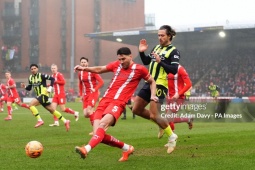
x: 38, y: 82
x: 214, y: 90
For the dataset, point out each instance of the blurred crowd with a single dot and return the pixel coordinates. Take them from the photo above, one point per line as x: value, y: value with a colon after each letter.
x: 232, y: 70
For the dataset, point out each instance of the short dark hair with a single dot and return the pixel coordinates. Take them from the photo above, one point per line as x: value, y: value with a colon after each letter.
x: 84, y: 58
x: 169, y: 30
x: 33, y: 65
x: 124, y: 50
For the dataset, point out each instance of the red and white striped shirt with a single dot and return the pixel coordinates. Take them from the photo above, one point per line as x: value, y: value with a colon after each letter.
x: 125, y: 81
x: 12, y: 92
x: 59, y: 83
x: 178, y: 83
x: 87, y: 81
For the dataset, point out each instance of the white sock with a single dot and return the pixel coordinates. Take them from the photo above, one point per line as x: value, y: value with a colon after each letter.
x: 125, y: 147
x: 88, y: 148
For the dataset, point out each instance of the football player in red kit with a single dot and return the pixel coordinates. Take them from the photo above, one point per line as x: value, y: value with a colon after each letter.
x: 126, y: 78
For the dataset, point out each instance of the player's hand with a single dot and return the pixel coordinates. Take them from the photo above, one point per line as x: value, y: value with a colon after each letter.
x: 92, y: 90
x: 22, y: 85
x: 143, y: 46
x: 154, y: 98
x: 157, y: 57
x: 176, y: 96
x: 81, y: 98
x: 49, y: 89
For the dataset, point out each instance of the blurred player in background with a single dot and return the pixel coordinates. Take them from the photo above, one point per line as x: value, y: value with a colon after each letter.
x: 178, y: 85
x: 13, y: 95
x: 3, y: 98
x: 214, y: 92
x: 38, y: 82
x: 59, y: 97
x: 89, y: 85
x: 163, y: 59
x: 126, y: 78
x: 129, y: 105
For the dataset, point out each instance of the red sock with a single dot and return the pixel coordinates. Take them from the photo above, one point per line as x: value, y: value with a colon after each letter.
x: 111, y: 141
x: 9, y: 108
x: 55, y: 118
x: 171, y: 125
x: 91, y: 118
x: 24, y: 105
x: 68, y: 110
x: 179, y: 120
x: 97, y: 138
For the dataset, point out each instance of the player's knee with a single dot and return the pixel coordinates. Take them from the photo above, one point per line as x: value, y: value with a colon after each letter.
x: 152, y: 117
x: 137, y: 110
x: 103, y: 125
x: 86, y: 114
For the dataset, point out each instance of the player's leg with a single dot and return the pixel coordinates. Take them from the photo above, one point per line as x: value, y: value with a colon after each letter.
x: 124, y: 114
x: 34, y: 102
x: 111, y: 112
x: 9, y: 109
x: 54, y: 106
x: 47, y: 105
x: 18, y: 102
x: 63, y: 108
x: 98, y: 136
x: 139, y: 108
x: 155, y: 114
x: 1, y: 105
x: 126, y: 149
x: 14, y: 106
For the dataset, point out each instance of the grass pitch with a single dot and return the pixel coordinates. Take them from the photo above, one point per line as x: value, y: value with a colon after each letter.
x: 206, y: 146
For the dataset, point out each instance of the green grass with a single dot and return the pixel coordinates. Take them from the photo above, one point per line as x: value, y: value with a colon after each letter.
x: 206, y: 146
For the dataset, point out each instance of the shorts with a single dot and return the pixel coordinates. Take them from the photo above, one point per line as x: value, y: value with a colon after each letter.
x: 145, y: 93
x: 4, y: 98
x: 60, y: 99
x: 90, y: 99
x: 109, y: 106
x: 14, y: 99
x: 43, y: 100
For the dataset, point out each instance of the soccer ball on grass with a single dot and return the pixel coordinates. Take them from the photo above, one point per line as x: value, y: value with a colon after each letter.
x: 34, y: 149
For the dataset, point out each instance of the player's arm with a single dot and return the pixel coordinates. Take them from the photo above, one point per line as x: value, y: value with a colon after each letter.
x: 95, y: 69
x: 152, y: 83
x: 147, y: 77
x: 188, y: 85
x: 28, y: 87
x: 171, y: 63
x: 100, y: 81
x: 52, y: 80
x: 12, y: 84
x: 80, y: 84
x: 143, y: 46
x: 48, y: 77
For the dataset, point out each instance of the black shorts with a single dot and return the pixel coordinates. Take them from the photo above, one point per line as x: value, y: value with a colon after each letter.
x: 44, y: 100
x: 145, y: 93
x: 129, y: 102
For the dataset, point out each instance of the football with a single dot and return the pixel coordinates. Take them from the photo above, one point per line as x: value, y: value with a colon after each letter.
x: 34, y: 149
